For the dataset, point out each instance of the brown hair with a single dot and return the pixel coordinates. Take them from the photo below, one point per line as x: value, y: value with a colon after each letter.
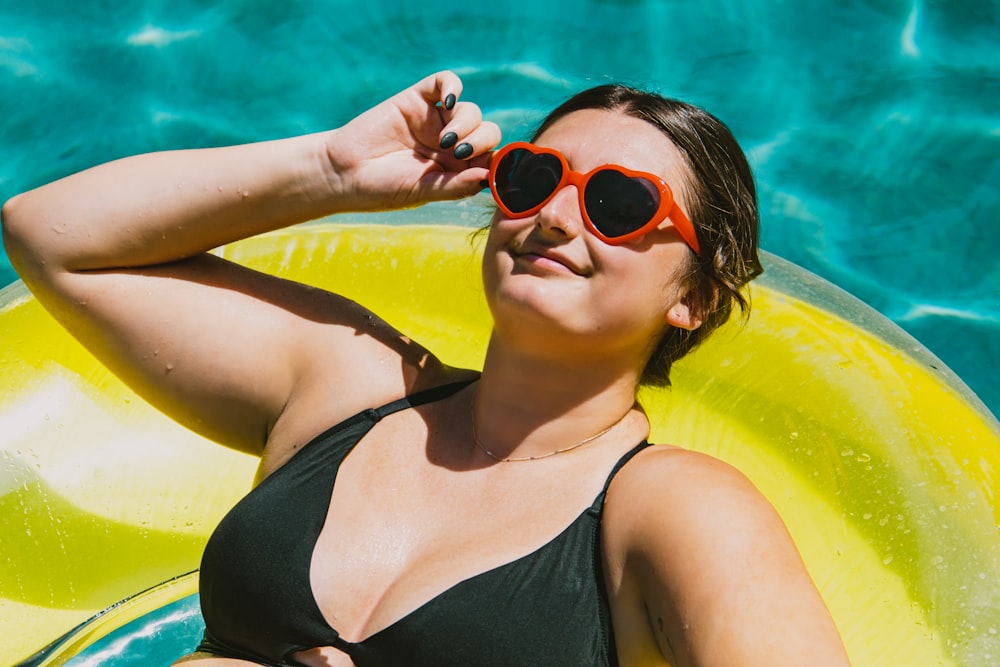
x: 722, y: 203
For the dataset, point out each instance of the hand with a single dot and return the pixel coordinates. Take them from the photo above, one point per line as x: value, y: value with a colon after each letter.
x: 401, y: 152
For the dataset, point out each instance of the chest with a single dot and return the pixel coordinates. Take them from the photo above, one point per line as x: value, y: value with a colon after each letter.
x: 401, y: 527
x: 367, y: 537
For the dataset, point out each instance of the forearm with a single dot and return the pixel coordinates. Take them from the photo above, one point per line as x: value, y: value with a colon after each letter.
x: 159, y: 207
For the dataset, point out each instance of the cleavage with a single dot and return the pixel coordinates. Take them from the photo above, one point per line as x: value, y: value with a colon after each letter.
x: 401, y: 530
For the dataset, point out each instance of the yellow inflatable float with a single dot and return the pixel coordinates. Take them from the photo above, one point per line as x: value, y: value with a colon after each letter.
x: 881, y: 462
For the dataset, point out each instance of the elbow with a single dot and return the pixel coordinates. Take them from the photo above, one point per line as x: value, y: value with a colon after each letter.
x: 19, y: 230
x: 11, y: 228
x: 8, y: 214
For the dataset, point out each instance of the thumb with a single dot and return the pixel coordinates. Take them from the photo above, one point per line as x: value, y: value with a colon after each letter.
x: 454, y: 185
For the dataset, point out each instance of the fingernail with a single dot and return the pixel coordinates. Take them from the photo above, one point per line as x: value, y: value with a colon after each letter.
x: 463, y: 151
x: 484, y: 183
x: 448, y: 140
x: 449, y: 102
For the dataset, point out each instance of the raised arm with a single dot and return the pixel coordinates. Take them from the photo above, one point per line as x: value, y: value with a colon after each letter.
x: 160, y: 207
x: 703, y: 573
x: 118, y: 254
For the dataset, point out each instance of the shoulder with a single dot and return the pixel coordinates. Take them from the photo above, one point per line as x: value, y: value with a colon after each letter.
x: 672, y: 505
x: 676, y: 486
x: 344, y: 359
x: 691, y: 540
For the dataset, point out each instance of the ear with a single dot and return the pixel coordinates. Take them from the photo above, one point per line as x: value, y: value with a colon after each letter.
x: 685, y: 313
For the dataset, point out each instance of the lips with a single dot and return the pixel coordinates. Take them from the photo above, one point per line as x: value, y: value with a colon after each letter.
x: 552, y: 258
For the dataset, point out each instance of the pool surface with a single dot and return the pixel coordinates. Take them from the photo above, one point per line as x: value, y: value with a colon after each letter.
x: 156, y: 638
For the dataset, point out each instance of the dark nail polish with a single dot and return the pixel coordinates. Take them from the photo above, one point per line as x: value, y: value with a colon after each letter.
x: 448, y: 140
x: 449, y: 102
x: 484, y: 183
x: 463, y: 151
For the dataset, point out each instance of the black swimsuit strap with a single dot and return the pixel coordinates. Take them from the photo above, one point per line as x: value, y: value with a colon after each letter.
x: 421, y: 397
x: 618, y: 466
x: 446, y: 390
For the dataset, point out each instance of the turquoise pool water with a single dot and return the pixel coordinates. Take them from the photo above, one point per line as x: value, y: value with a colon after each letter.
x: 153, y: 640
x: 872, y: 126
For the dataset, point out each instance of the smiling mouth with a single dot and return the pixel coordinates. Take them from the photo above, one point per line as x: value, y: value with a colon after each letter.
x: 547, y: 261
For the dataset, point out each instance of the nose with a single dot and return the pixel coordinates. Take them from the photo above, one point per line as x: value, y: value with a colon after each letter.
x: 561, y: 214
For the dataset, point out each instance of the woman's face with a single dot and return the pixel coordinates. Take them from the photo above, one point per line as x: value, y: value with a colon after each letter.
x: 547, y: 273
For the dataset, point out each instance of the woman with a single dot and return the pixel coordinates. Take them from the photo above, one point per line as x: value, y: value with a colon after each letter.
x: 516, y: 517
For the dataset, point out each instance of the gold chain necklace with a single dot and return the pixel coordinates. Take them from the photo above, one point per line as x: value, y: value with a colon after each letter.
x: 511, y: 459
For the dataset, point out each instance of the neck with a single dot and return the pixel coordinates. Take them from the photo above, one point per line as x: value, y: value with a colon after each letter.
x: 530, y: 405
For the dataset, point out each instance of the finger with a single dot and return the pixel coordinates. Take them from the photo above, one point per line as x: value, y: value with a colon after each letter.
x: 462, y: 119
x: 467, y: 134
x: 476, y: 146
x: 428, y: 105
x: 442, y: 88
x: 453, y: 185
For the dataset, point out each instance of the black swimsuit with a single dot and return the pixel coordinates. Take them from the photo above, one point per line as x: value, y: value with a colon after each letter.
x: 546, y: 608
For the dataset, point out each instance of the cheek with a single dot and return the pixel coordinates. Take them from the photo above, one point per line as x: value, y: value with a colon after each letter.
x: 494, y: 254
x: 647, y: 283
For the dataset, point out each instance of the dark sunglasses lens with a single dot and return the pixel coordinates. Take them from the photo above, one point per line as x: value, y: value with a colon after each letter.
x: 618, y: 204
x: 525, y: 179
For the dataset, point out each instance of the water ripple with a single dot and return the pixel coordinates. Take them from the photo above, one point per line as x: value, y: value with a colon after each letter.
x: 152, y: 35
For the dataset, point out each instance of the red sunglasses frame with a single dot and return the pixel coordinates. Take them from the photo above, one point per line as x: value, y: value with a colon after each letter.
x: 668, y: 208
